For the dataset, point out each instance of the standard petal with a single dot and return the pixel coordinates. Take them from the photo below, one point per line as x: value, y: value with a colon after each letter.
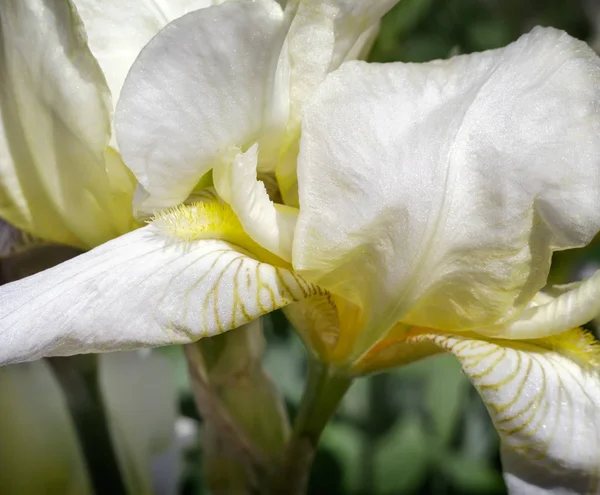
x: 321, y: 36
x: 143, y: 289
x: 270, y: 225
x: 544, y: 399
x: 117, y: 31
x: 39, y: 450
x: 198, y: 88
x: 450, y: 183
x: 54, y: 127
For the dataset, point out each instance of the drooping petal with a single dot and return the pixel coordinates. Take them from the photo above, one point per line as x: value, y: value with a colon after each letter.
x: 270, y: 225
x: 200, y: 87
x: 140, y: 397
x: 146, y: 288
x: 574, y: 307
x: 54, y: 127
x: 317, y: 322
x: 450, y: 183
x: 544, y: 399
x: 542, y: 395
x: 39, y: 450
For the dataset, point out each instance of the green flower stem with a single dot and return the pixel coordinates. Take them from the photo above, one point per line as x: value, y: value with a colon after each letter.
x: 78, y: 378
x: 325, y: 388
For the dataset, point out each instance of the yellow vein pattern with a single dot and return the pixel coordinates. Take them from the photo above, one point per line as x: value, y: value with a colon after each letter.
x: 545, y: 406
x: 140, y: 290
x: 316, y: 320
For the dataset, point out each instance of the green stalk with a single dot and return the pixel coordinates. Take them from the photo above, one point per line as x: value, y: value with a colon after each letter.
x: 325, y: 388
x: 78, y: 378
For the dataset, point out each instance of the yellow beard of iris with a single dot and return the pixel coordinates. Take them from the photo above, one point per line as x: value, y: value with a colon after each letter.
x: 211, y: 219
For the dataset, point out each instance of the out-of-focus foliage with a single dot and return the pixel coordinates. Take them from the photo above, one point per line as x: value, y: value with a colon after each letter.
x: 422, y: 30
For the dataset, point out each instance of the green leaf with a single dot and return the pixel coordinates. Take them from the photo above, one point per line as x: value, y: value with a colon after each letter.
x: 355, y: 405
x: 402, y: 19
x: 489, y: 33
x: 284, y: 362
x: 346, y: 443
x: 402, y: 457
x: 479, y: 439
x: 445, y: 395
x: 174, y: 354
x: 472, y: 475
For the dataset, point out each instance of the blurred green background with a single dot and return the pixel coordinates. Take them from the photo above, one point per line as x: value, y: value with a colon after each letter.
x: 421, y: 429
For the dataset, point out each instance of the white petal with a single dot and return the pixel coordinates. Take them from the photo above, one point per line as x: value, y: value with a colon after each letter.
x: 54, y: 127
x: 570, y: 309
x: 450, y: 183
x: 321, y: 36
x: 198, y: 88
x: 39, y: 447
x: 360, y: 50
x: 140, y: 397
x: 353, y: 18
x: 544, y: 400
x: 117, y: 31
x: 270, y: 225
x: 143, y: 289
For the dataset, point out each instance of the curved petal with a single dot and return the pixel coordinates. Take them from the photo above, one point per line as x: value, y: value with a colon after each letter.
x: 140, y: 397
x: 198, y: 88
x: 54, y: 127
x: 544, y: 399
x: 39, y: 447
x: 354, y: 23
x: 117, y: 31
x: 317, y: 322
x: 570, y: 309
x: 270, y: 225
x: 450, y: 183
x: 143, y: 289
x: 321, y: 36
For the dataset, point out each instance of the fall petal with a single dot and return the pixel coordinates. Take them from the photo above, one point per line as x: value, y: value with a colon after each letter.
x: 144, y: 289
x: 544, y: 399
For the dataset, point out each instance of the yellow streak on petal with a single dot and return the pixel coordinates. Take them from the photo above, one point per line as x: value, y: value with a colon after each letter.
x: 577, y: 344
x: 206, y: 220
x: 210, y: 219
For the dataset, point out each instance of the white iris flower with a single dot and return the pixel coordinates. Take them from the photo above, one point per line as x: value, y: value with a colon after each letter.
x: 420, y: 214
